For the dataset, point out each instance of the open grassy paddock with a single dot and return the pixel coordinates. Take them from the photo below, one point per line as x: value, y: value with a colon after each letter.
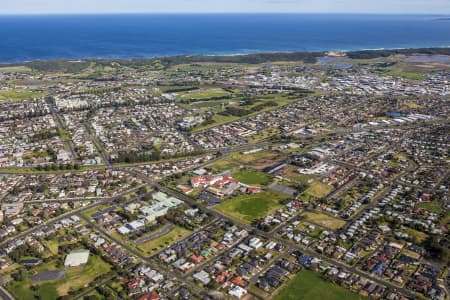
x: 153, y: 246
x: 204, y: 94
x: 324, y: 220
x: 256, y: 158
x: 15, y: 69
x: 405, y: 74
x: 247, y: 208
x: 432, y: 206
x: 19, y: 95
x: 252, y: 177
x: 318, y: 189
x: 207, y: 104
x: 413, y: 105
x: 222, y: 165
x: 217, y: 120
x: 272, y: 101
x: 308, y: 285
x: 418, y: 235
x: 290, y: 172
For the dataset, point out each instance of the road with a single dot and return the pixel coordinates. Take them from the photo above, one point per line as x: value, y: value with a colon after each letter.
x: 166, y: 229
x: 272, y: 237
x: 60, y: 125
x: 98, y: 145
x: 184, y: 279
x: 64, y: 200
x: 66, y: 215
x: 50, y: 222
x: 5, y: 295
x: 166, y: 273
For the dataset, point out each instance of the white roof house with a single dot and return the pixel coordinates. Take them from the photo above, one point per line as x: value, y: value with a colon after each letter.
x: 237, y: 292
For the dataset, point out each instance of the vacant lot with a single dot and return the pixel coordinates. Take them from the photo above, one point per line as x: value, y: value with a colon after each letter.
x: 430, y: 206
x: 318, y: 190
x: 412, y: 105
x: 406, y: 74
x: 17, y: 69
x: 324, y: 220
x: 252, y: 177
x: 222, y: 165
x: 52, y: 246
x: 248, y: 208
x: 153, y: 246
x: 217, y: 120
x: 290, y: 172
x: 258, y: 160
x: 19, y: 95
x: 205, y: 94
x: 308, y: 285
x: 418, y: 235
x: 207, y: 103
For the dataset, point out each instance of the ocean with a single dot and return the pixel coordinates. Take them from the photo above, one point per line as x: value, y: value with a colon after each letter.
x: 25, y: 38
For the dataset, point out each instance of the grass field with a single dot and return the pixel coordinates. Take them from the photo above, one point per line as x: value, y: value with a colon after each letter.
x: 19, y: 95
x: 412, y: 105
x: 308, y: 285
x: 419, y: 235
x: 314, y: 233
x: 247, y: 208
x: 75, y: 279
x: 79, y: 277
x: 252, y: 177
x: 445, y: 219
x: 218, y: 120
x: 252, y: 158
x: 210, y: 66
x: 22, y: 291
x: 153, y: 246
x: 254, y: 109
x: 400, y: 72
x: 324, y: 220
x: 205, y: 94
x: 207, y: 104
x: 50, y: 265
x: 318, y: 189
x: 17, y: 69
x: 430, y: 206
x: 290, y: 172
x: 222, y: 165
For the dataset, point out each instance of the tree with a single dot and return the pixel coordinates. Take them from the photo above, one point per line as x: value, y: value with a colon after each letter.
x: 21, y: 275
x: 438, y: 248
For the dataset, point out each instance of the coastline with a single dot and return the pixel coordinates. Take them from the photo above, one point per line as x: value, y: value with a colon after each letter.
x: 192, y: 58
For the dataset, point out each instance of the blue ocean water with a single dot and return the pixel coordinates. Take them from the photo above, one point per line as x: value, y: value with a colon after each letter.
x: 24, y: 38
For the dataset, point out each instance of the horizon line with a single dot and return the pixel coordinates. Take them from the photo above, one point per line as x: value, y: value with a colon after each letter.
x: 221, y: 13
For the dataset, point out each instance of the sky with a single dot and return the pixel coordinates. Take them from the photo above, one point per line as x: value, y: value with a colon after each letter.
x: 224, y: 6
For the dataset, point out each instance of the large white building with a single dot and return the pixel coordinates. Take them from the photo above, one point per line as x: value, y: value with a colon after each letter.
x: 76, y: 258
